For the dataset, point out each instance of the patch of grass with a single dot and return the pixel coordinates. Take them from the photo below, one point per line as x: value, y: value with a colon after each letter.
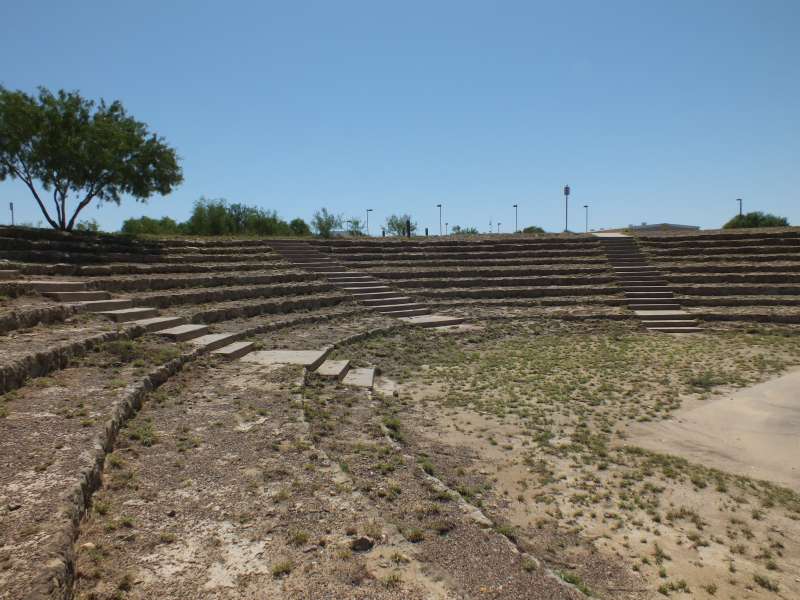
x: 143, y: 432
x: 282, y: 568
x: 766, y: 583
x: 575, y: 579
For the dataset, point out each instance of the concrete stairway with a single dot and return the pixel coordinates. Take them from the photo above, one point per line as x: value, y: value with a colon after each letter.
x: 646, y: 290
x: 365, y: 289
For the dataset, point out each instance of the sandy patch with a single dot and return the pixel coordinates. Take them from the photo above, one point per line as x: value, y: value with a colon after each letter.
x: 753, y: 432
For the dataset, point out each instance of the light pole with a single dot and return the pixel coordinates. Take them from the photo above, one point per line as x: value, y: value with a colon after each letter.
x: 739, y: 200
x: 439, y: 206
x: 498, y: 226
x: 566, y: 208
x: 586, y: 206
x: 11, y: 206
x: 369, y: 210
x: 516, y: 219
x: 445, y: 227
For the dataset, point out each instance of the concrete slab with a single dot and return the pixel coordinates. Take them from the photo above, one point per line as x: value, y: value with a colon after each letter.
x: 102, y: 305
x: 212, y: 341
x: 234, y: 350
x: 6, y: 274
x: 753, y: 431
x: 78, y: 296
x: 433, y: 320
x: 129, y: 314
x: 57, y: 286
x: 610, y: 234
x: 159, y: 323
x: 310, y: 359
x: 659, y: 313
x: 333, y: 369
x: 363, y: 377
x: 181, y: 333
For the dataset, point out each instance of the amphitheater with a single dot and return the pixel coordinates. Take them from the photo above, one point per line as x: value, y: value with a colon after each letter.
x: 459, y: 417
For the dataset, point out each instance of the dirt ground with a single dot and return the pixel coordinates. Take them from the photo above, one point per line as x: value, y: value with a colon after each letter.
x: 495, y: 460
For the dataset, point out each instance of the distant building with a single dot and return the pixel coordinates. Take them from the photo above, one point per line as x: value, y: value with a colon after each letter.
x: 662, y: 227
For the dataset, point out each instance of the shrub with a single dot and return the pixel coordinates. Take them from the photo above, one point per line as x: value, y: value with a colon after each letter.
x: 324, y: 222
x: 756, y: 219
x: 533, y: 229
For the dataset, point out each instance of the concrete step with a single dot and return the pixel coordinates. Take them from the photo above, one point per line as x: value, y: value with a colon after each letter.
x: 78, y: 296
x: 676, y: 329
x: 102, y: 305
x: 181, y: 333
x: 670, y: 323
x: 647, y: 315
x: 124, y: 315
x: 648, y: 294
x: 310, y: 359
x: 333, y: 369
x: 644, y: 288
x: 368, y: 289
x: 234, y: 350
x: 212, y: 341
x: 661, y: 306
x: 363, y: 377
x: 321, y: 270
x: 158, y: 323
x: 433, y: 320
x: 406, y: 312
x: 387, y: 301
x: 361, y: 296
x: 384, y: 307
x: 361, y: 284
x: 634, y: 280
x: 6, y: 274
x: 57, y: 286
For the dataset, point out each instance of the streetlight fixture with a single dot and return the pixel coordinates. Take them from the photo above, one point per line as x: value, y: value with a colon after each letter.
x: 586, y: 206
x: 739, y: 200
x: 516, y: 220
x: 369, y: 210
x: 439, y: 206
x: 566, y: 208
x: 445, y: 227
x: 498, y: 226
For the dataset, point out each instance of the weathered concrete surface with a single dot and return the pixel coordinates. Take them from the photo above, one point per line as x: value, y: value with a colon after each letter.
x: 310, y: 359
x: 159, y: 323
x: 212, y: 341
x: 753, y: 431
x: 363, y: 377
x: 333, y: 369
x: 234, y: 350
x: 433, y: 320
x: 129, y: 314
x: 184, y: 332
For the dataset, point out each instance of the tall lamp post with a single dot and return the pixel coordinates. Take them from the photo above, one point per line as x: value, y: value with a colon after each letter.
x: 586, y: 206
x: 516, y: 219
x: 369, y: 210
x: 739, y: 200
x: 498, y: 226
x: 566, y: 208
x: 439, y: 206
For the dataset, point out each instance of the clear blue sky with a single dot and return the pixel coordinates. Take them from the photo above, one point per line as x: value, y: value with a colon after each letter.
x: 651, y: 110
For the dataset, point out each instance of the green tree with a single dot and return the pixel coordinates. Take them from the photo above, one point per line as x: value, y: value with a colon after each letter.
x: 299, y: 227
x: 323, y: 222
x: 756, y: 219
x: 80, y: 152
x: 149, y: 226
x: 396, y: 224
x: 355, y: 226
x: 533, y: 229
x: 458, y: 230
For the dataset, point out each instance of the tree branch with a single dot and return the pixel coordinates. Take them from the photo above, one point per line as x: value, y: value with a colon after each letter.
x: 29, y: 182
